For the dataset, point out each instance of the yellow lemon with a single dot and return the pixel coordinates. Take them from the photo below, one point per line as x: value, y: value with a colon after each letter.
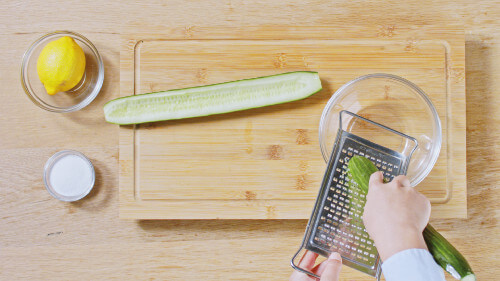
x: 61, y: 65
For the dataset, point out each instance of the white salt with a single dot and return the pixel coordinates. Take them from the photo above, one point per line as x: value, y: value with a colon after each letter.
x: 71, y: 176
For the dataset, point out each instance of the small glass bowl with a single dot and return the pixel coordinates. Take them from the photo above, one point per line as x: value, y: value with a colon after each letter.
x: 391, y: 101
x: 48, y: 168
x: 76, y: 98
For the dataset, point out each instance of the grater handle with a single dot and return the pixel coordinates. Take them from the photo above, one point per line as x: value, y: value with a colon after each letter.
x: 298, y: 268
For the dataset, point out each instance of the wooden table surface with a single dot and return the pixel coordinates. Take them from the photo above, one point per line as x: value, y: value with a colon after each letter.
x: 44, y: 239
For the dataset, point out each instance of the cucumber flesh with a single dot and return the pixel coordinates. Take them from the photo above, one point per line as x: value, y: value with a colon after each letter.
x: 212, y: 99
x: 444, y: 253
x: 470, y: 277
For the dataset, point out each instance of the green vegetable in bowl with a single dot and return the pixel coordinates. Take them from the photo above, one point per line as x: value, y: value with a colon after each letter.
x: 447, y: 256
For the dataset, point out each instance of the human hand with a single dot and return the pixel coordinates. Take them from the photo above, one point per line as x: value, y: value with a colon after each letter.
x: 395, y: 215
x: 329, y: 269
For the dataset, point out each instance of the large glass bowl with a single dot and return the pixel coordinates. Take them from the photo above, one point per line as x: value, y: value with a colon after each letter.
x: 76, y: 98
x: 391, y: 101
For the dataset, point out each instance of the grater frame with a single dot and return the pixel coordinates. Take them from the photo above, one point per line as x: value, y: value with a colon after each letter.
x: 361, y: 253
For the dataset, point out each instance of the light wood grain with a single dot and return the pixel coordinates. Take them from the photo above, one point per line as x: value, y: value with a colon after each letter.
x: 43, y: 239
x: 266, y: 163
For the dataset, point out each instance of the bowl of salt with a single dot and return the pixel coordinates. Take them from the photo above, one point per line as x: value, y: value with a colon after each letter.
x: 69, y: 175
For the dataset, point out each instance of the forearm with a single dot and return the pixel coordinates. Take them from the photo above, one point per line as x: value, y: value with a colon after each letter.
x: 395, y: 240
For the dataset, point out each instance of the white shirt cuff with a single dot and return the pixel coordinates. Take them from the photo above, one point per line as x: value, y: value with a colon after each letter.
x: 412, y: 265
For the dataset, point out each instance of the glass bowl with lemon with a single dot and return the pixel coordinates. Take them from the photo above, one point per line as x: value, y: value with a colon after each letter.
x: 62, y: 72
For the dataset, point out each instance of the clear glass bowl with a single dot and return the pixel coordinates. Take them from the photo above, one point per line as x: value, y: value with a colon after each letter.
x: 391, y: 101
x: 47, y: 174
x: 76, y: 98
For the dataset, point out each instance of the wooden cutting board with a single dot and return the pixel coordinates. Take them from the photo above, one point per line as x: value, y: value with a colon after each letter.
x: 266, y: 163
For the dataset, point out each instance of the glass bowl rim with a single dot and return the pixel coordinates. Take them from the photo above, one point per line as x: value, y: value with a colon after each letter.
x: 437, y: 122
x: 37, y: 100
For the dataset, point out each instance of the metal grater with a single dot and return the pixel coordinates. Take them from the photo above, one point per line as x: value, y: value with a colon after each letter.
x: 336, y: 222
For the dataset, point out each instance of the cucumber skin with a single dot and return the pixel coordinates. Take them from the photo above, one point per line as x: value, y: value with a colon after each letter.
x: 173, y: 90
x: 360, y: 169
x: 445, y: 254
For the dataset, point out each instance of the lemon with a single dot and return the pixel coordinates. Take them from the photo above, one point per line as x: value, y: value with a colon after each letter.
x: 61, y: 65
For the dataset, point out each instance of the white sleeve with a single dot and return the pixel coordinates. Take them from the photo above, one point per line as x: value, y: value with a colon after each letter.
x: 412, y: 265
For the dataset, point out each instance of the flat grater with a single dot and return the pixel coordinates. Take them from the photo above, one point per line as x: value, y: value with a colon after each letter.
x: 336, y: 222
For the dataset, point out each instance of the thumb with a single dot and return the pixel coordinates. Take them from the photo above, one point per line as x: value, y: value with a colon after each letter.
x: 376, y: 178
x: 332, y: 269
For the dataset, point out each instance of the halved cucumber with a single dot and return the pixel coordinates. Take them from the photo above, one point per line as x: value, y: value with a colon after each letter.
x: 212, y: 99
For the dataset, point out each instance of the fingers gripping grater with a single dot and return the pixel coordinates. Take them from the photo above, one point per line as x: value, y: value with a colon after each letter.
x: 336, y: 222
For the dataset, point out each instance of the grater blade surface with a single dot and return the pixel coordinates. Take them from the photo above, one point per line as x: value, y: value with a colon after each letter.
x: 336, y: 221
x: 338, y: 225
